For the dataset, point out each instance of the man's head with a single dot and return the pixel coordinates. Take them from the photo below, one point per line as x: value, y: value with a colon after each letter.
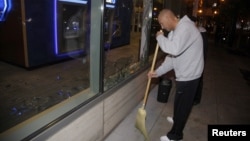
x: 167, y: 20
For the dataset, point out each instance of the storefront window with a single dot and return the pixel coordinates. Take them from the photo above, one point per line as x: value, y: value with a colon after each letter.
x: 52, y: 64
x: 123, y: 23
x: 56, y: 60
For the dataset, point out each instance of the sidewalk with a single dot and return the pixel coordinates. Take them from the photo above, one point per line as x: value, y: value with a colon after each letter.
x: 225, y: 100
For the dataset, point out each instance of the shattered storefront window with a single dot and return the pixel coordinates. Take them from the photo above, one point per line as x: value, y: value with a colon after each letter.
x: 52, y: 76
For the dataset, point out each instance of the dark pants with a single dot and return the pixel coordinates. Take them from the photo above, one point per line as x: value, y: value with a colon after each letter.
x: 197, y: 98
x: 185, y: 92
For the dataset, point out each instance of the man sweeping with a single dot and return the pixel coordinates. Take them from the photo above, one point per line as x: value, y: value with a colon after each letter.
x: 184, y: 46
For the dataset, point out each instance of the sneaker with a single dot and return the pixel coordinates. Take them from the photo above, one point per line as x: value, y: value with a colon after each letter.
x: 164, y: 138
x: 170, y: 120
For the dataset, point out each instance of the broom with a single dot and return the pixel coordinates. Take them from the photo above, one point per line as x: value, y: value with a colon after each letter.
x: 141, y: 114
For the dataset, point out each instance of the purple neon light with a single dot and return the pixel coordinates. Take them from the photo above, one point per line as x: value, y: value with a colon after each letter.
x: 75, y: 1
x: 55, y: 27
x: 110, y: 6
x: 7, y: 5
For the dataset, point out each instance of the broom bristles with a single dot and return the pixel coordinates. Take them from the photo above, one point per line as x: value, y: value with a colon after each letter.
x: 140, y: 123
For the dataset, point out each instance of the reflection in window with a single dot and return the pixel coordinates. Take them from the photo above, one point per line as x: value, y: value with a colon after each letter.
x: 26, y: 92
x: 121, y: 43
x: 72, y: 27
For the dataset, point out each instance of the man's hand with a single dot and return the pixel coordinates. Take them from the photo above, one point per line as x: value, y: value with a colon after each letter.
x: 159, y: 33
x: 152, y: 74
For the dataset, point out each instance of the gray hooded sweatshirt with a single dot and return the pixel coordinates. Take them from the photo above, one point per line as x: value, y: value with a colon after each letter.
x: 184, y: 47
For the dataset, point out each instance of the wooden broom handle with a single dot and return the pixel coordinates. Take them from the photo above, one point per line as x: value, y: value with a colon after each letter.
x: 149, y: 79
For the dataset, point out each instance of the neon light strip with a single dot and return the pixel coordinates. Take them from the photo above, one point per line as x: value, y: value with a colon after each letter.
x: 4, y: 6
x: 111, y: 1
x: 75, y: 1
x: 55, y: 28
x: 4, y: 11
x: 110, y: 6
